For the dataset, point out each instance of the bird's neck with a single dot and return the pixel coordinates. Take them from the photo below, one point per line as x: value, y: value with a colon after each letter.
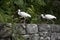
x: 19, y: 12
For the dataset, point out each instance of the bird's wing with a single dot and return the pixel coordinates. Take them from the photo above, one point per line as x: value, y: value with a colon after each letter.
x: 50, y: 16
x: 25, y: 14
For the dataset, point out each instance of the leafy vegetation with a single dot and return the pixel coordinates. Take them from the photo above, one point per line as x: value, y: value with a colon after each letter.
x: 8, y: 10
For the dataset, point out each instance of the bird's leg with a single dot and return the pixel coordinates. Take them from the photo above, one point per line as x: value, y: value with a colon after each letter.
x: 20, y: 17
x: 24, y: 20
x: 52, y: 21
x: 47, y: 21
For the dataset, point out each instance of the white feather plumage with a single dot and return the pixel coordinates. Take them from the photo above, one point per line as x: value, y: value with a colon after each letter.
x: 23, y: 14
x: 48, y: 16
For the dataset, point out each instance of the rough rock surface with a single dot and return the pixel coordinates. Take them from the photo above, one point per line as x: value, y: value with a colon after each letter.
x: 30, y: 31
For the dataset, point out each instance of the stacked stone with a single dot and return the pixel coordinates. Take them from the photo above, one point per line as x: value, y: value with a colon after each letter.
x: 35, y: 31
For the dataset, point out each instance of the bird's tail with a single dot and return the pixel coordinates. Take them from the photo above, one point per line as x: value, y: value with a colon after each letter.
x: 55, y: 17
x: 29, y: 16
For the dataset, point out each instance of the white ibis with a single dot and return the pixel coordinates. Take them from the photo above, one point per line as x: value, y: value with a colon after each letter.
x: 48, y: 16
x: 23, y: 14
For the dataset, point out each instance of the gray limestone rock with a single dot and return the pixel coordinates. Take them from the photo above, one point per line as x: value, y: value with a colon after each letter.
x: 20, y: 28
x: 32, y: 28
x: 35, y: 37
x: 26, y: 37
x: 45, y: 27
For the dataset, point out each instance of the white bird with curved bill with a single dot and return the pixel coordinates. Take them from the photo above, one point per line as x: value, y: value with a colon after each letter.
x: 23, y: 14
x: 48, y: 16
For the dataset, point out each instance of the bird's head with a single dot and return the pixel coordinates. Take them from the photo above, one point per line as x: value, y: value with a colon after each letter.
x: 42, y: 16
x: 19, y: 10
